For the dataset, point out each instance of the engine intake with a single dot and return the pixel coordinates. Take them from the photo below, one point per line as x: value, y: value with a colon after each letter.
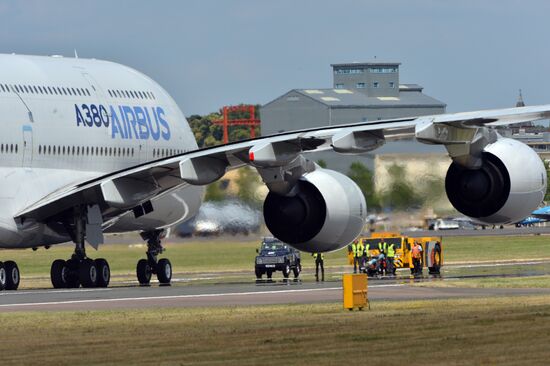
x: 325, y: 211
x: 509, y: 185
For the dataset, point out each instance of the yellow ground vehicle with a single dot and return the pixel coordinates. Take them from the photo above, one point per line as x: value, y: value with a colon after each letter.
x: 432, y: 249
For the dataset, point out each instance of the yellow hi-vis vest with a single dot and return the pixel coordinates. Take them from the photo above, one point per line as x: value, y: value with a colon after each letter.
x: 360, y: 249
x: 320, y: 256
x: 391, y: 250
x: 383, y: 247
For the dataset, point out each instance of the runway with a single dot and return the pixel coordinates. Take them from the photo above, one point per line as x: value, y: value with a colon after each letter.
x: 507, y: 231
x: 228, y: 295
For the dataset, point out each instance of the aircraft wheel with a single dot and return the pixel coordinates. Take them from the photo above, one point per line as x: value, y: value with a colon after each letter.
x: 2, y: 276
x: 164, y: 271
x: 73, y: 273
x: 103, y: 272
x: 59, y: 274
x: 87, y: 273
x: 143, y: 271
x: 12, y: 275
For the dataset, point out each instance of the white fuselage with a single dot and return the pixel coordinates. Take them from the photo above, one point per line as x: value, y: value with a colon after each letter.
x: 68, y: 120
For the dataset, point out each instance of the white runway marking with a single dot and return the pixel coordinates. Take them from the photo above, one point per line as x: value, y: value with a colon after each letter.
x: 173, y: 297
x: 74, y: 290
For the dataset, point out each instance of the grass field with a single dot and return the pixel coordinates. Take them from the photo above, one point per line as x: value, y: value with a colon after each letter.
x: 475, y: 331
x: 542, y: 281
x: 230, y: 255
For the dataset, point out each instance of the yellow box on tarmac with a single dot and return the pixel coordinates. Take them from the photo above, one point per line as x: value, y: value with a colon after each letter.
x: 355, y: 291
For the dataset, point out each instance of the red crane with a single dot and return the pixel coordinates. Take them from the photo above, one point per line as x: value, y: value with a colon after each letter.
x: 251, y: 121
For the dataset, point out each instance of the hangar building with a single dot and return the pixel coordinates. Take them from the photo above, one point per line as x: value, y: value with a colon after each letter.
x: 366, y: 91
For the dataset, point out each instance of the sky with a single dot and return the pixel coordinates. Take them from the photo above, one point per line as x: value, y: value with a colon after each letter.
x: 206, y: 54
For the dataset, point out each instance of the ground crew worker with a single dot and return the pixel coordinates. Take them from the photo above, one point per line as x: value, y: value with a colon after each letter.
x: 319, y: 262
x: 358, y: 249
x: 383, y: 247
x: 417, y: 258
x: 390, y: 258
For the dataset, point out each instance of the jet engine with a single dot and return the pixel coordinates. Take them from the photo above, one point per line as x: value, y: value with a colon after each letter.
x: 510, y: 184
x: 324, y: 211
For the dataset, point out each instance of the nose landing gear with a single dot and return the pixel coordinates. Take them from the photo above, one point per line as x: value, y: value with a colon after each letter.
x: 162, y: 268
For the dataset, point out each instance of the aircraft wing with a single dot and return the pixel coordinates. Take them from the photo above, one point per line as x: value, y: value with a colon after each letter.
x: 130, y: 188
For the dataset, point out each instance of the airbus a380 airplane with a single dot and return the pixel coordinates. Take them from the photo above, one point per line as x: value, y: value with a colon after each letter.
x: 92, y: 147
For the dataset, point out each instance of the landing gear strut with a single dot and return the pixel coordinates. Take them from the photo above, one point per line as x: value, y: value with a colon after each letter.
x: 147, y: 267
x: 79, y: 270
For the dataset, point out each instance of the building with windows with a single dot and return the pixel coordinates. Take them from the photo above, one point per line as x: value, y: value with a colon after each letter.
x: 366, y: 91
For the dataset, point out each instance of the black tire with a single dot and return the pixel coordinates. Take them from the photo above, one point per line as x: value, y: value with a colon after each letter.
x: 436, y: 269
x: 2, y: 276
x: 59, y: 274
x: 12, y: 275
x: 164, y: 271
x: 269, y: 274
x: 103, y: 272
x: 286, y: 270
x: 259, y: 273
x: 297, y: 269
x: 143, y: 271
x: 87, y: 273
x: 73, y: 280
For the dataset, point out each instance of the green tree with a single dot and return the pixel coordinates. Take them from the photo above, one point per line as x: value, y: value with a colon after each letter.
x: 547, y: 167
x: 431, y: 190
x: 216, y: 191
x: 210, y: 141
x: 248, y: 182
x: 399, y: 194
x: 364, y: 178
x: 208, y: 134
x: 322, y: 163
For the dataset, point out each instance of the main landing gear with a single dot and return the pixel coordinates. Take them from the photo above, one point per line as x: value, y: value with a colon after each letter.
x: 9, y: 275
x: 147, y: 267
x: 79, y: 270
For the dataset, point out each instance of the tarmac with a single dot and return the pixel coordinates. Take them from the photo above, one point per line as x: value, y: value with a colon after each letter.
x: 506, y: 231
x: 279, y: 292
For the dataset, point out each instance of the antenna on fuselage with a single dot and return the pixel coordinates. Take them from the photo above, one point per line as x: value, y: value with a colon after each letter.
x: 75, y: 53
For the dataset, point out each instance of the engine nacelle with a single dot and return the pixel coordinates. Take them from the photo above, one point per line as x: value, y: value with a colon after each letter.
x: 325, y: 211
x: 510, y: 184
